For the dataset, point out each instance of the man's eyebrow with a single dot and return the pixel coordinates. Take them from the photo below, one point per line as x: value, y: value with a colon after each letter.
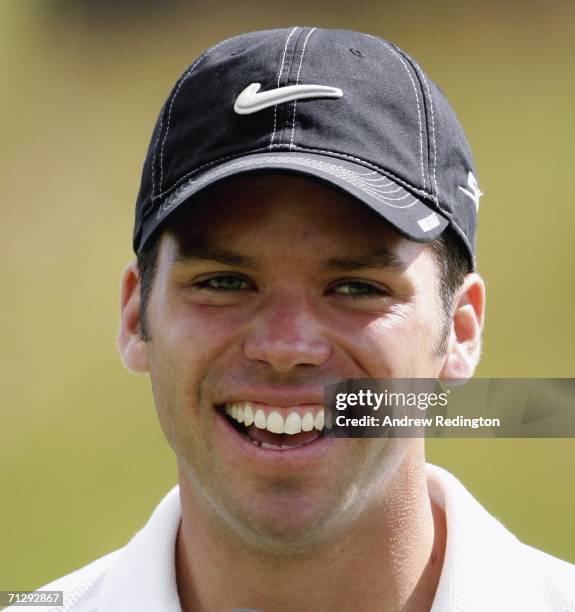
x: 381, y: 258
x: 200, y: 250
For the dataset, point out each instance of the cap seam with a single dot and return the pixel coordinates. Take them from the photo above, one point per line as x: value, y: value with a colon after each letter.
x: 283, y: 112
x: 445, y: 211
x: 390, y: 47
x: 297, y: 83
x: 279, y: 81
x: 421, y: 75
x: 159, y: 135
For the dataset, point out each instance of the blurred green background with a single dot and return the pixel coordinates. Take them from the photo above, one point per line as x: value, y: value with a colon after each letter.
x: 83, y: 461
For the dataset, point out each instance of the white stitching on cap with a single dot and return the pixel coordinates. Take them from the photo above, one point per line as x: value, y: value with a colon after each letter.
x: 182, y: 80
x: 376, y: 180
x: 432, y: 127
x: 349, y: 176
x: 279, y: 79
x: 433, y: 135
x: 387, y: 46
x: 395, y: 178
x: 155, y: 151
x: 297, y: 83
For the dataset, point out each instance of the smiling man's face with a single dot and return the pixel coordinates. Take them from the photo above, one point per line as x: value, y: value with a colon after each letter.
x: 269, y: 288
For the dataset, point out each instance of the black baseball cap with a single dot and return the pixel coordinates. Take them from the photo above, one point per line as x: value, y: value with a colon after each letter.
x: 349, y: 109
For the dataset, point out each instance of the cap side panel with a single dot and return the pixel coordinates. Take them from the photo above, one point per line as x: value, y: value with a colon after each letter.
x: 175, y: 95
x: 419, y: 119
x: 447, y: 157
x: 169, y: 104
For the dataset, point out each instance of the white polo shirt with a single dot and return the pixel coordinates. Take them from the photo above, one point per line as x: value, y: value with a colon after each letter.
x: 486, y: 569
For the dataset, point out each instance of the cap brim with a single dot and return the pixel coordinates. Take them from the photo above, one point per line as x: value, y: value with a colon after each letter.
x: 407, y: 214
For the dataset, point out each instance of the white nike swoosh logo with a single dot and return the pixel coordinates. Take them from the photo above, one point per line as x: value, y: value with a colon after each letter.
x: 250, y: 101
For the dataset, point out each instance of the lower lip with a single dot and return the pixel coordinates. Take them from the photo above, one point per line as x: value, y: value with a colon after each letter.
x: 297, y: 456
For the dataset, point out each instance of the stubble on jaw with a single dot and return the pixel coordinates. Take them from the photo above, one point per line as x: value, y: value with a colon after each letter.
x: 362, y: 494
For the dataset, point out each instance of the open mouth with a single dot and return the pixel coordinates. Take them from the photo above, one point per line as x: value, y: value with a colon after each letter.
x: 275, y: 428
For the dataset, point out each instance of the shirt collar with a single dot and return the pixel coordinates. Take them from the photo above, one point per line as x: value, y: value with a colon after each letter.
x: 485, y: 567
x: 143, y: 576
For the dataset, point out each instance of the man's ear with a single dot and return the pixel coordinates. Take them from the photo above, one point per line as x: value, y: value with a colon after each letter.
x: 464, y: 346
x: 132, y: 348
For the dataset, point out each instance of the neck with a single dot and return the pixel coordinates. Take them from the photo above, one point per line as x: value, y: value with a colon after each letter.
x: 390, y: 559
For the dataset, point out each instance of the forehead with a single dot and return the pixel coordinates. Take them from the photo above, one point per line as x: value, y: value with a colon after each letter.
x: 283, y: 211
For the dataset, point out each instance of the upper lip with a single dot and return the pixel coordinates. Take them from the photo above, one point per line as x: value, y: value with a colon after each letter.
x: 282, y: 398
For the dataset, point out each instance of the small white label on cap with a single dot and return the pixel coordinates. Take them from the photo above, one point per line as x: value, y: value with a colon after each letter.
x: 428, y: 223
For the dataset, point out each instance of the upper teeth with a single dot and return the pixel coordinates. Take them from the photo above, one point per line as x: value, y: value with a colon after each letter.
x: 274, y: 420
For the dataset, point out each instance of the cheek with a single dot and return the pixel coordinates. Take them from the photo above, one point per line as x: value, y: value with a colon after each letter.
x: 188, y: 345
x: 170, y: 387
x: 196, y: 335
x: 398, y: 345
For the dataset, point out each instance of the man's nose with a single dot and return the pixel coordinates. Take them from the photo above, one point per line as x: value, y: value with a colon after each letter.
x: 287, y: 333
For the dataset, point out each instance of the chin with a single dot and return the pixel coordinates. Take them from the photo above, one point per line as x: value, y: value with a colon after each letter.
x: 287, y: 523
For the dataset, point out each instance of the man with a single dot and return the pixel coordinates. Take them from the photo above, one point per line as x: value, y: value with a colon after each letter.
x: 307, y: 213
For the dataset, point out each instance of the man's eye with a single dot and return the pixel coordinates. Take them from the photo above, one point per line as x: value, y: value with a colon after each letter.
x: 223, y: 283
x: 359, y: 290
